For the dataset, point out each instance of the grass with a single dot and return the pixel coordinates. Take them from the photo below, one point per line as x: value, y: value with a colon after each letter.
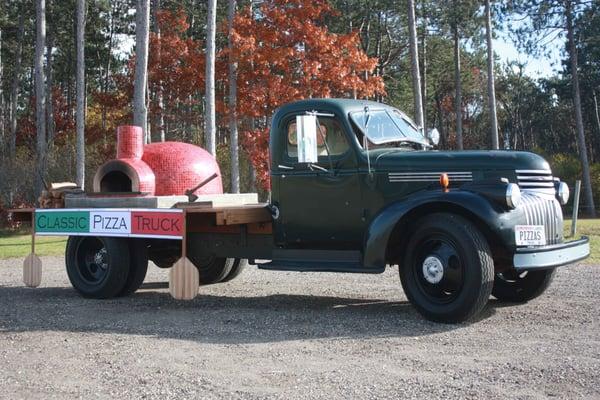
x: 591, y: 228
x: 18, y: 244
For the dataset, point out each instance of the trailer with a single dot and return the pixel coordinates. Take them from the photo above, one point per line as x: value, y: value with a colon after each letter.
x: 355, y: 187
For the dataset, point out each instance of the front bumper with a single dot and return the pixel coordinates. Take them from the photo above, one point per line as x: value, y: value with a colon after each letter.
x: 556, y: 255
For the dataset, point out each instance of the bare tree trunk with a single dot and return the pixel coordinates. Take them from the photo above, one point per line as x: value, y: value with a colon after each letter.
x: 596, y: 111
x: 209, y: 77
x: 424, y: 67
x: 14, y: 90
x: 233, y: 128
x: 414, y: 63
x: 49, y: 89
x: 159, y: 95
x: 40, y: 94
x: 142, y: 23
x: 80, y: 122
x: 2, y: 130
x: 458, y: 96
x: 585, y: 165
x: 490, y: 80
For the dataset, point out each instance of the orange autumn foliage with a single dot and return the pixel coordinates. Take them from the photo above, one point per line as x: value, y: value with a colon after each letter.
x: 289, y: 54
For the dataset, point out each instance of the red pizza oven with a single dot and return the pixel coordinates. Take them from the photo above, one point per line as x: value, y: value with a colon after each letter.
x: 160, y: 169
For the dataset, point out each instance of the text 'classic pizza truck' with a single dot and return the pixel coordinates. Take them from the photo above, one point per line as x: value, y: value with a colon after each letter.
x: 356, y: 187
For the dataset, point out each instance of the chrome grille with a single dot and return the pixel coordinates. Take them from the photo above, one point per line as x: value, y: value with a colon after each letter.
x: 543, y: 211
x: 536, y: 180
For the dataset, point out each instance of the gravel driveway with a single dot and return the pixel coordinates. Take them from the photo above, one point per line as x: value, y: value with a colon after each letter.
x: 292, y: 335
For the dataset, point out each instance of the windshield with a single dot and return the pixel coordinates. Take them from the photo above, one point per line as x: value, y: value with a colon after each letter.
x: 386, y: 126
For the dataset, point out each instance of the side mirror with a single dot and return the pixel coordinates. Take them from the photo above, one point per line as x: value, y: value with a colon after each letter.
x: 434, y: 136
x: 306, y: 128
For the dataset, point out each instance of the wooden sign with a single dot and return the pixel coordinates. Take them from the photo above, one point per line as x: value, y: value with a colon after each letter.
x: 115, y: 222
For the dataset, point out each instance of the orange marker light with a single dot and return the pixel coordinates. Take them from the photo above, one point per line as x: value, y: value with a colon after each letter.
x: 444, y: 181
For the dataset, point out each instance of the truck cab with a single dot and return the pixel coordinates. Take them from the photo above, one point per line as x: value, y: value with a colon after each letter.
x: 357, y: 187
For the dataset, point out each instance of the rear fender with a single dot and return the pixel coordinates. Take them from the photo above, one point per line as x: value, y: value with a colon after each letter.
x: 495, y: 221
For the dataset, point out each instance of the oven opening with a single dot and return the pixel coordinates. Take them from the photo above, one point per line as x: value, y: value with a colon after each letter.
x: 116, y: 181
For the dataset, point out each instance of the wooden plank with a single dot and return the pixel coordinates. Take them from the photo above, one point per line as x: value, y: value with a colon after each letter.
x: 21, y: 214
x: 242, y: 216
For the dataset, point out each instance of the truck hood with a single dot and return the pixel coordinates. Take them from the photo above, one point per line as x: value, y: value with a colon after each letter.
x: 386, y: 160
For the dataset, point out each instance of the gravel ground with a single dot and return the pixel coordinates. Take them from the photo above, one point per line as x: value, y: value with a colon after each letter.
x: 292, y: 335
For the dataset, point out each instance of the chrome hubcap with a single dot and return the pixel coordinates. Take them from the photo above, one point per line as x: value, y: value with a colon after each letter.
x: 433, y: 270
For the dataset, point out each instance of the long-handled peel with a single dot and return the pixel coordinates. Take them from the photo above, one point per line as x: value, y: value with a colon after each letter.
x: 32, y: 265
x: 184, y: 279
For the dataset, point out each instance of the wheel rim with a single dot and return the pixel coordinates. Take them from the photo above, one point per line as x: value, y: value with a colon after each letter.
x: 438, y: 269
x: 92, y: 261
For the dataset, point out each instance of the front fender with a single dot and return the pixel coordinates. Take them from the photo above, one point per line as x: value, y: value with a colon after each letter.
x: 497, y: 219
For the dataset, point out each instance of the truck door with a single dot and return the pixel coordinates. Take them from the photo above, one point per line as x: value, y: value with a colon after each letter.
x: 320, y: 203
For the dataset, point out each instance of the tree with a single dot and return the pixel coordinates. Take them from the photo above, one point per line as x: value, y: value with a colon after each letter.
x: 142, y: 25
x: 548, y: 21
x: 289, y: 54
x: 40, y: 94
x: 14, y: 88
x: 80, y: 167
x: 233, y: 128
x: 490, y: 77
x: 414, y: 58
x: 209, y: 78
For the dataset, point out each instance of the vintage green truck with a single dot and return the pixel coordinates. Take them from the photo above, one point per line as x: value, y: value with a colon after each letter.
x: 357, y: 187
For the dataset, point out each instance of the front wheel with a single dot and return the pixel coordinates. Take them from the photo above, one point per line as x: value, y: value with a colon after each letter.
x: 448, y: 270
x: 516, y: 287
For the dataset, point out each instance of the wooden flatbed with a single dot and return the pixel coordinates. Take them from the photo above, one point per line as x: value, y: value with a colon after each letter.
x: 234, y: 222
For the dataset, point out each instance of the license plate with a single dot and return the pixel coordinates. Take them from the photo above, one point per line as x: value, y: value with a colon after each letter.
x: 530, y: 235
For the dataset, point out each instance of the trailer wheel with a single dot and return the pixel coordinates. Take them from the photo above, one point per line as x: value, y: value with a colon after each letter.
x: 236, y: 269
x: 97, y: 266
x: 448, y: 270
x: 212, y: 269
x: 517, y: 287
x: 138, y: 266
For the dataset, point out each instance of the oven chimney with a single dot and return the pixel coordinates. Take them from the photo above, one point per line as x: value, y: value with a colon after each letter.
x: 130, y: 142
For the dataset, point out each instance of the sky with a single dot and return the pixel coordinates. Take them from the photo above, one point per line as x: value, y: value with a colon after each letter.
x: 542, y: 67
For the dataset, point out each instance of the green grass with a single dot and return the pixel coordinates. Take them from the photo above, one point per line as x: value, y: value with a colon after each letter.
x: 18, y: 244
x: 591, y: 228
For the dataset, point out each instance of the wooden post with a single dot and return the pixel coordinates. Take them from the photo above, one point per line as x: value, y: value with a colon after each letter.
x: 184, y: 278
x: 32, y: 266
x: 575, y: 208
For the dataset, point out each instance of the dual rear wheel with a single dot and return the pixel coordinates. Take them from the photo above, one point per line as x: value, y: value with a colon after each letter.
x: 106, y: 267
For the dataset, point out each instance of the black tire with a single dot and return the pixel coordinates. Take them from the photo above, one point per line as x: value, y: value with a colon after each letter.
x: 513, y: 287
x: 448, y: 270
x: 138, y: 266
x: 212, y: 269
x: 97, y: 266
x: 236, y: 269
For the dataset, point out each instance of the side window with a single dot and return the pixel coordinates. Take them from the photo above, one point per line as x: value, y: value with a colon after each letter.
x: 331, y: 132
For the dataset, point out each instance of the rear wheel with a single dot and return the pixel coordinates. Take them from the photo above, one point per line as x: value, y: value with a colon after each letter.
x: 516, y: 287
x: 448, y: 269
x: 97, y: 266
x: 212, y: 269
x: 236, y: 269
x: 138, y: 266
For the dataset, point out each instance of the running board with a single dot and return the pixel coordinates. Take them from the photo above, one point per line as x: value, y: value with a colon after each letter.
x: 318, y: 261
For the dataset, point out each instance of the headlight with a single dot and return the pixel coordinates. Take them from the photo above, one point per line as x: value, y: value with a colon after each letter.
x: 513, y: 195
x: 562, y: 193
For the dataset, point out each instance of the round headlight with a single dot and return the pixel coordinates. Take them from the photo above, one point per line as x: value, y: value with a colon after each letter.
x: 562, y: 193
x: 513, y: 195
